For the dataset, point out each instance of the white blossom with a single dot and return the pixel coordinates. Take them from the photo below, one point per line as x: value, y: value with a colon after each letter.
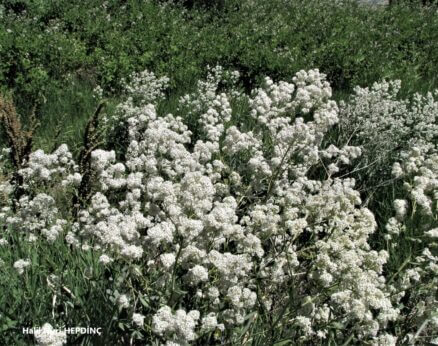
x: 21, y: 265
x: 48, y: 336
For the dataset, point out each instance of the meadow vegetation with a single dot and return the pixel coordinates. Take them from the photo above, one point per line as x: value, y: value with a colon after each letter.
x: 219, y: 172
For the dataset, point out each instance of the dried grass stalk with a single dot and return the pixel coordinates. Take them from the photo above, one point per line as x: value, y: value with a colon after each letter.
x: 91, y: 141
x: 19, y: 140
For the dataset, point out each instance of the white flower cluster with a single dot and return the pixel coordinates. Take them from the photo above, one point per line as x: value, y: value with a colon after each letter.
x: 138, y: 319
x: 146, y: 87
x: 114, y: 229
x: 416, y: 287
x: 233, y: 220
x: 21, y: 265
x: 42, y: 167
x: 178, y: 327
x: 207, y: 90
x: 37, y: 215
x: 123, y: 301
x: 227, y: 215
x: 419, y: 171
x: 382, y: 124
x: 297, y: 142
x: 108, y: 174
x: 48, y: 336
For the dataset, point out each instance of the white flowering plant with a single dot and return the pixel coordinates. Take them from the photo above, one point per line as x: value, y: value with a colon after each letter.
x: 234, y: 222
x: 384, y: 125
x: 413, y: 232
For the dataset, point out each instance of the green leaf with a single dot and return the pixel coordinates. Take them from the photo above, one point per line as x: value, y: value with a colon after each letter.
x: 9, y: 324
x: 143, y: 302
x: 283, y: 343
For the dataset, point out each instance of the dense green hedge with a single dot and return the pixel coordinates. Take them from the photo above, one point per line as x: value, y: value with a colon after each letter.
x: 43, y: 43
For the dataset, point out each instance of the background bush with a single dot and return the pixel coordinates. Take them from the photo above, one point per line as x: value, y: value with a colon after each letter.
x: 44, y: 42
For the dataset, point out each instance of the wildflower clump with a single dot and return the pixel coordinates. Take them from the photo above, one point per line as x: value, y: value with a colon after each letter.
x: 383, y: 124
x: 48, y: 336
x: 21, y: 265
x: 235, y: 214
x: 416, y: 218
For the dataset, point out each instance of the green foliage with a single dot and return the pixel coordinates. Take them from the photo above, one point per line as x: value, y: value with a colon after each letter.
x: 43, y: 42
x: 62, y: 282
x: 52, y: 52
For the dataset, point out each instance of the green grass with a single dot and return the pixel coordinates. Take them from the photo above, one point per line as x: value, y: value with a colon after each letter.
x: 64, y: 114
x: 79, y: 283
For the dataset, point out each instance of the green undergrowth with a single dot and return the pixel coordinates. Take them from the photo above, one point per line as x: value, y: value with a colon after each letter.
x: 46, y: 45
